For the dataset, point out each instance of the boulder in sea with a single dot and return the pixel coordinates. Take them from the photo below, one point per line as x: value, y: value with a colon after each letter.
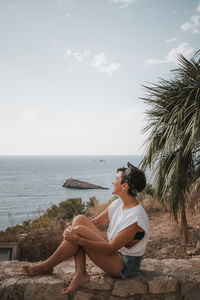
x: 78, y: 184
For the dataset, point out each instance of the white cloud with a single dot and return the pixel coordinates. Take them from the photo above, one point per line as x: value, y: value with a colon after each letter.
x: 86, y: 53
x: 171, y: 40
x: 68, y: 53
x: 184, y: 49
x: 123, y: 1
x: 102, y: 65
x: 99, y: 62
x: 198, y: 8
x: 78, y: 56
x: 66, y: 16
x: 152, y: 61
x: 193, y: 25
x: 53, y: 40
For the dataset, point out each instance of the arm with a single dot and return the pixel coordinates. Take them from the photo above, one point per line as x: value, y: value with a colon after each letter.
x: 119, y: 241
x: 101, y: 219
x: 103, y: 247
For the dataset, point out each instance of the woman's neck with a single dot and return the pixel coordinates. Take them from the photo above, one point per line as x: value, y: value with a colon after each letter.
x: 128, y: 201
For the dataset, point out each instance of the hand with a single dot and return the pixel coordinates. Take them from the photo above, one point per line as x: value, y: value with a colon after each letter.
x: 71, y: 235
x: 131, y: 243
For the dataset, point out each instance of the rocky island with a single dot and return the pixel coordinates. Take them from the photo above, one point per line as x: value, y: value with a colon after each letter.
x: 78, y: 184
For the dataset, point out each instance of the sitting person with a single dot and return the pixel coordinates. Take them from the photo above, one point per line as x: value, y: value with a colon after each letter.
x: 121, y: 253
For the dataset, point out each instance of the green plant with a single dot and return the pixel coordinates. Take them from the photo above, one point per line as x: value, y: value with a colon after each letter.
x: 174, y: 136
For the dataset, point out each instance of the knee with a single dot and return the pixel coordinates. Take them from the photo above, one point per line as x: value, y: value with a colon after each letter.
x: 80, y: 229
x: 79, y: 220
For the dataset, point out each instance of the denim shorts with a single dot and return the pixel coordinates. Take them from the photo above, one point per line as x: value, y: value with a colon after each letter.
x: 130, y: 265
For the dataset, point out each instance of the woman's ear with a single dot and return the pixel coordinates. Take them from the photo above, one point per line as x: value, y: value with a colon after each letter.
x: 125, y: 187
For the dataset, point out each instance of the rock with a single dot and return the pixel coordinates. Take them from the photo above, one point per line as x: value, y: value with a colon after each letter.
x: 129, y: 287
x: 191, y: 290
x: 152, y: 282
x: 167, y: 250
x: 100, y: 283
x: 163, y: 284
x: 196, y: 251
x: 83, y: 296
x: 78, y: 184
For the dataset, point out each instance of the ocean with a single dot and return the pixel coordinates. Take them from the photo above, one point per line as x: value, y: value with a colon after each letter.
x: 31, y: 184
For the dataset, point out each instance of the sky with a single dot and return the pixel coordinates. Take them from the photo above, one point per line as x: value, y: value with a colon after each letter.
x: 72, y: 72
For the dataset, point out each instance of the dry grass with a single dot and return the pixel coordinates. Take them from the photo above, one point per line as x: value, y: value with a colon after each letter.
x: 152, y: 205
x: 98, y: 208
x: 40, y: 243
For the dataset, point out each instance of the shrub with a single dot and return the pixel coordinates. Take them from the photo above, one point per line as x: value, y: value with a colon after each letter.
x: 40, y: 243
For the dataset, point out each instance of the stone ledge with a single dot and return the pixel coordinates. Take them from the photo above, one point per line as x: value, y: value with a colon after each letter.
x: 168, y: 279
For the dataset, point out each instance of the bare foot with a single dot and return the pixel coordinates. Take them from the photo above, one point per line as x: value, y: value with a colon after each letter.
x: 39, y: 269
x: 79, y: 279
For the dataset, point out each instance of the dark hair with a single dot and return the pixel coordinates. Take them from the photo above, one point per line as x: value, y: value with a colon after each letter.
x: 134, y: 177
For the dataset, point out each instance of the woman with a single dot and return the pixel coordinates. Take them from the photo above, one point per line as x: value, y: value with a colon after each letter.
x: 120, y: 254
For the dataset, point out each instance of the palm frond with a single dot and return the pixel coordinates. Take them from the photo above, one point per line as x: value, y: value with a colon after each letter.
x: 173, y: 123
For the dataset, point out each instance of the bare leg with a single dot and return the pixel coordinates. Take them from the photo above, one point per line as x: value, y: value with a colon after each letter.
x: 63, y: 252
x: 81, y: 276
x: 80, y: 260
x: 110, y: 264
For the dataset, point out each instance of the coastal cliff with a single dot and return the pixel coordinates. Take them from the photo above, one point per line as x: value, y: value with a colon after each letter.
x: 78, y: 184
x: 167, y: 279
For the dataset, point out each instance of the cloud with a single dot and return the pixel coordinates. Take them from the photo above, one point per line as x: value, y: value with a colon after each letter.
x: 99, y: 61
x: 193, y: 25
x: 124, y: 3
x: 171, y: 40
x: 78, y: 56
x: 152, y: 61
x: 198, y: 8
x: 53, y: 40
x: 101, y: 64
x: 184, y: 49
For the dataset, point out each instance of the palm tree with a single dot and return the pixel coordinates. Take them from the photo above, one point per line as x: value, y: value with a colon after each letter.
x: 173, y: 145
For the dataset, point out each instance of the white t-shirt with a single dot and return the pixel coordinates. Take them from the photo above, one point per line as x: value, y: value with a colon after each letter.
x: 122, y: 218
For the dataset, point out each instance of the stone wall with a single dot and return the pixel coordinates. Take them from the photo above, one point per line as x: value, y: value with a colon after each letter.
x: 168, y: 279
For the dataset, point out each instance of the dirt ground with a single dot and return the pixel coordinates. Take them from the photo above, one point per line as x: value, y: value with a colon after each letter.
x: 165, y: 240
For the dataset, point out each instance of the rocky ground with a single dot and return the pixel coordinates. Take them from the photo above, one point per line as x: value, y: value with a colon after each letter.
x: 165, y: 240
x: 157, y: 280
